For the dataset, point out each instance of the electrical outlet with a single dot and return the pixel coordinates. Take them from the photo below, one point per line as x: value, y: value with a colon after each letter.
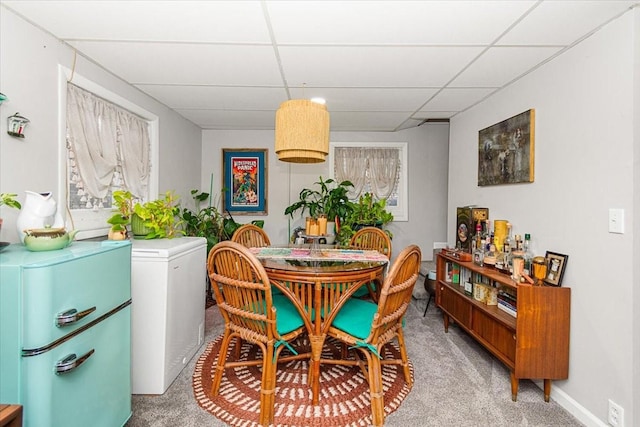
x: 616, y: 414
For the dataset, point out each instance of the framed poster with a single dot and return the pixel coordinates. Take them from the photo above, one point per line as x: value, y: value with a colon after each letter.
x: 244, y: 181
x: 506, y: 151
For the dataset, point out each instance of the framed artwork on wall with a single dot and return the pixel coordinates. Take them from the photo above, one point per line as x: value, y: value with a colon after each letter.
x: 244, y: 187
x: 506, y: 151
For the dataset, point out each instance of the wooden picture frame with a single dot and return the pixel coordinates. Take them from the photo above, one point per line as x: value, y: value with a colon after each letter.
x: 556, y: 265
x: 244, y: 186
x: 506, y: 151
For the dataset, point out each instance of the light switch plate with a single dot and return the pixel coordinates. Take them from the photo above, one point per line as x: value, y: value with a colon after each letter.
x: 616, y: 221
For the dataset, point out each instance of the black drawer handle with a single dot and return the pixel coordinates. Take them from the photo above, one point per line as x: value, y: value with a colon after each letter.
x: 71, y: 316
x: 71, y: 362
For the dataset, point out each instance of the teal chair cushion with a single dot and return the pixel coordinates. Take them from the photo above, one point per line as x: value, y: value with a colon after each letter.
x: 287, y: 317
x: 355, y: 317
x: 363, y: 291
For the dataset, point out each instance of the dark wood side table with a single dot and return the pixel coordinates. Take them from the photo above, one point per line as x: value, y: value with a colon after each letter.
x: 10, y: 415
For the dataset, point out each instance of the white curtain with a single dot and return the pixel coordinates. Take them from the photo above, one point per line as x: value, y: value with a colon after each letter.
x: 384, y: 164
x: 351, y: 165
x: 106, y: 142
x: 373, y: 168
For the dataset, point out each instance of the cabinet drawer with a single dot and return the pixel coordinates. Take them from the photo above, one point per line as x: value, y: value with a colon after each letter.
x: 500, y: 338
x: 456, y: 305
x: 80, y: 284
x: 95, y: 393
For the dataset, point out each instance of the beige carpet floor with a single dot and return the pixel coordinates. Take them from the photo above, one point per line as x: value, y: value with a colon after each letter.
x: 457, y: 383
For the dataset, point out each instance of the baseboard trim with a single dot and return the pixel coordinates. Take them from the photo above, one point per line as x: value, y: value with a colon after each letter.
x: 574, y: 408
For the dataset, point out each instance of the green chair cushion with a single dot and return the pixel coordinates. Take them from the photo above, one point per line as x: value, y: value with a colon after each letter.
x: 355, y: 317
x: 363, y: 291
x: 287, y: 317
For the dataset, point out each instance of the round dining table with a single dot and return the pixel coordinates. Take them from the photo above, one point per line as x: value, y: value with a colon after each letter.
x: 318, y: 289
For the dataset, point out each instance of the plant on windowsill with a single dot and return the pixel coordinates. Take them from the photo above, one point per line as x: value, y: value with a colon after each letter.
x: 367, y: 212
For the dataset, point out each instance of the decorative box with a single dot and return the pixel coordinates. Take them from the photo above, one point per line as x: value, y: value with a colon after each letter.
x: 466, y: 219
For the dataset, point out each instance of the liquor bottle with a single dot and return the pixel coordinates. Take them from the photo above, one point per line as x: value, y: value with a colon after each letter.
x: 528, y: 255
x: 478, y: 246
x: 506, y: 249
x: 517, y: 259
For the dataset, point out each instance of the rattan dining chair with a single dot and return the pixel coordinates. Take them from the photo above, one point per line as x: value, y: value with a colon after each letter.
x: 372, y: 238
x: 251, y: 236
x: 368, y: 327
x: 251, y: 312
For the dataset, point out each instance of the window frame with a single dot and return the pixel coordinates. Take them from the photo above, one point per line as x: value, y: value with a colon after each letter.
x: 400, y: 212
x: 91, y: 224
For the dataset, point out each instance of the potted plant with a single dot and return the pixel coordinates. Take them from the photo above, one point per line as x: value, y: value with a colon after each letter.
x: 367, y: 212
x: 9, y: 199
x: 330, y: 200
x: 205, y: 222
x: 124, y: 203
x: 160, y: 216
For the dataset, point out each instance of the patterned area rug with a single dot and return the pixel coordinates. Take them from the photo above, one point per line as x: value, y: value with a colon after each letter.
x: 344, y: 391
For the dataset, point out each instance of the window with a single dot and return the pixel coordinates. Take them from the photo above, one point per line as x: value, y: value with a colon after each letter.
x: 379, y: 168
x: 108, y: 143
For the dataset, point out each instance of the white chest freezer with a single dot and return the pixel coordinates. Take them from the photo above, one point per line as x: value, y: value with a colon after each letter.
x: 168, y: 290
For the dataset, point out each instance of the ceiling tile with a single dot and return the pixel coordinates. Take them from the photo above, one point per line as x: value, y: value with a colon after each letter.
x: 368, y: 99
x: 217, y: 98
x: 220, y: 21
x: 563, y: 22
x: 216, y: 119
x: 372, y: 121
x: 500, y: 65
x: 456, y: 99
x: 185, y: 63
x: 373, y: 66
x: 392, y: 22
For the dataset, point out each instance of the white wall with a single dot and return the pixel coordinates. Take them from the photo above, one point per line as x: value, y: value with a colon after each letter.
x: 29, y: 61
x: 428, y: 163
x: 584, y: 165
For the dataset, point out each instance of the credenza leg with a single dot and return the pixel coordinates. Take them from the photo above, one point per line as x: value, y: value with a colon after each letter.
x: 514, y: 387
x: 547, y: 390
x: 445, y: 319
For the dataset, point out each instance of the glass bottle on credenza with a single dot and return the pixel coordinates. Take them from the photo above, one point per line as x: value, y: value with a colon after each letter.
x: 528, y: 255
x: 478, y: 246
x: 506, y: 249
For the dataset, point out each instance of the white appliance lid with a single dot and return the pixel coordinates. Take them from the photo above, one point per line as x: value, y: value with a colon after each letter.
x: 165, y: 248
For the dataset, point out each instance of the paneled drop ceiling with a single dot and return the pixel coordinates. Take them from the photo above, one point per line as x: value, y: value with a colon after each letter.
x: 381, y: 65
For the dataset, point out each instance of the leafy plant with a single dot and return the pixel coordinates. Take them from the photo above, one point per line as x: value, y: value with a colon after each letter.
x: 9, y: 199
x: 205, y: 222
x: 330, y: 200
x: 125, y: 203
x: 366, y: 212
x: 369, y: 211
x: 209, y: 222
x: 161, y: 216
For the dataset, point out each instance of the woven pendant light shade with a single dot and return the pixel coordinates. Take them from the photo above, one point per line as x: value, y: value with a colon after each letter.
x: 302, y: 131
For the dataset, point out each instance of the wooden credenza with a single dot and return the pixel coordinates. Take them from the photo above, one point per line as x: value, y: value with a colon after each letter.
x: 10, y: 415
x: 533, y: 345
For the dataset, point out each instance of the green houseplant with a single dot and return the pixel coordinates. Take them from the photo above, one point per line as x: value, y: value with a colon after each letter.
x: 205, y: 221
x: 124, y: 203
x: 9, y: 199
x: 208, y: 221
x: 367, y: 212
x: 161, y: 217
x: 330, y: 200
